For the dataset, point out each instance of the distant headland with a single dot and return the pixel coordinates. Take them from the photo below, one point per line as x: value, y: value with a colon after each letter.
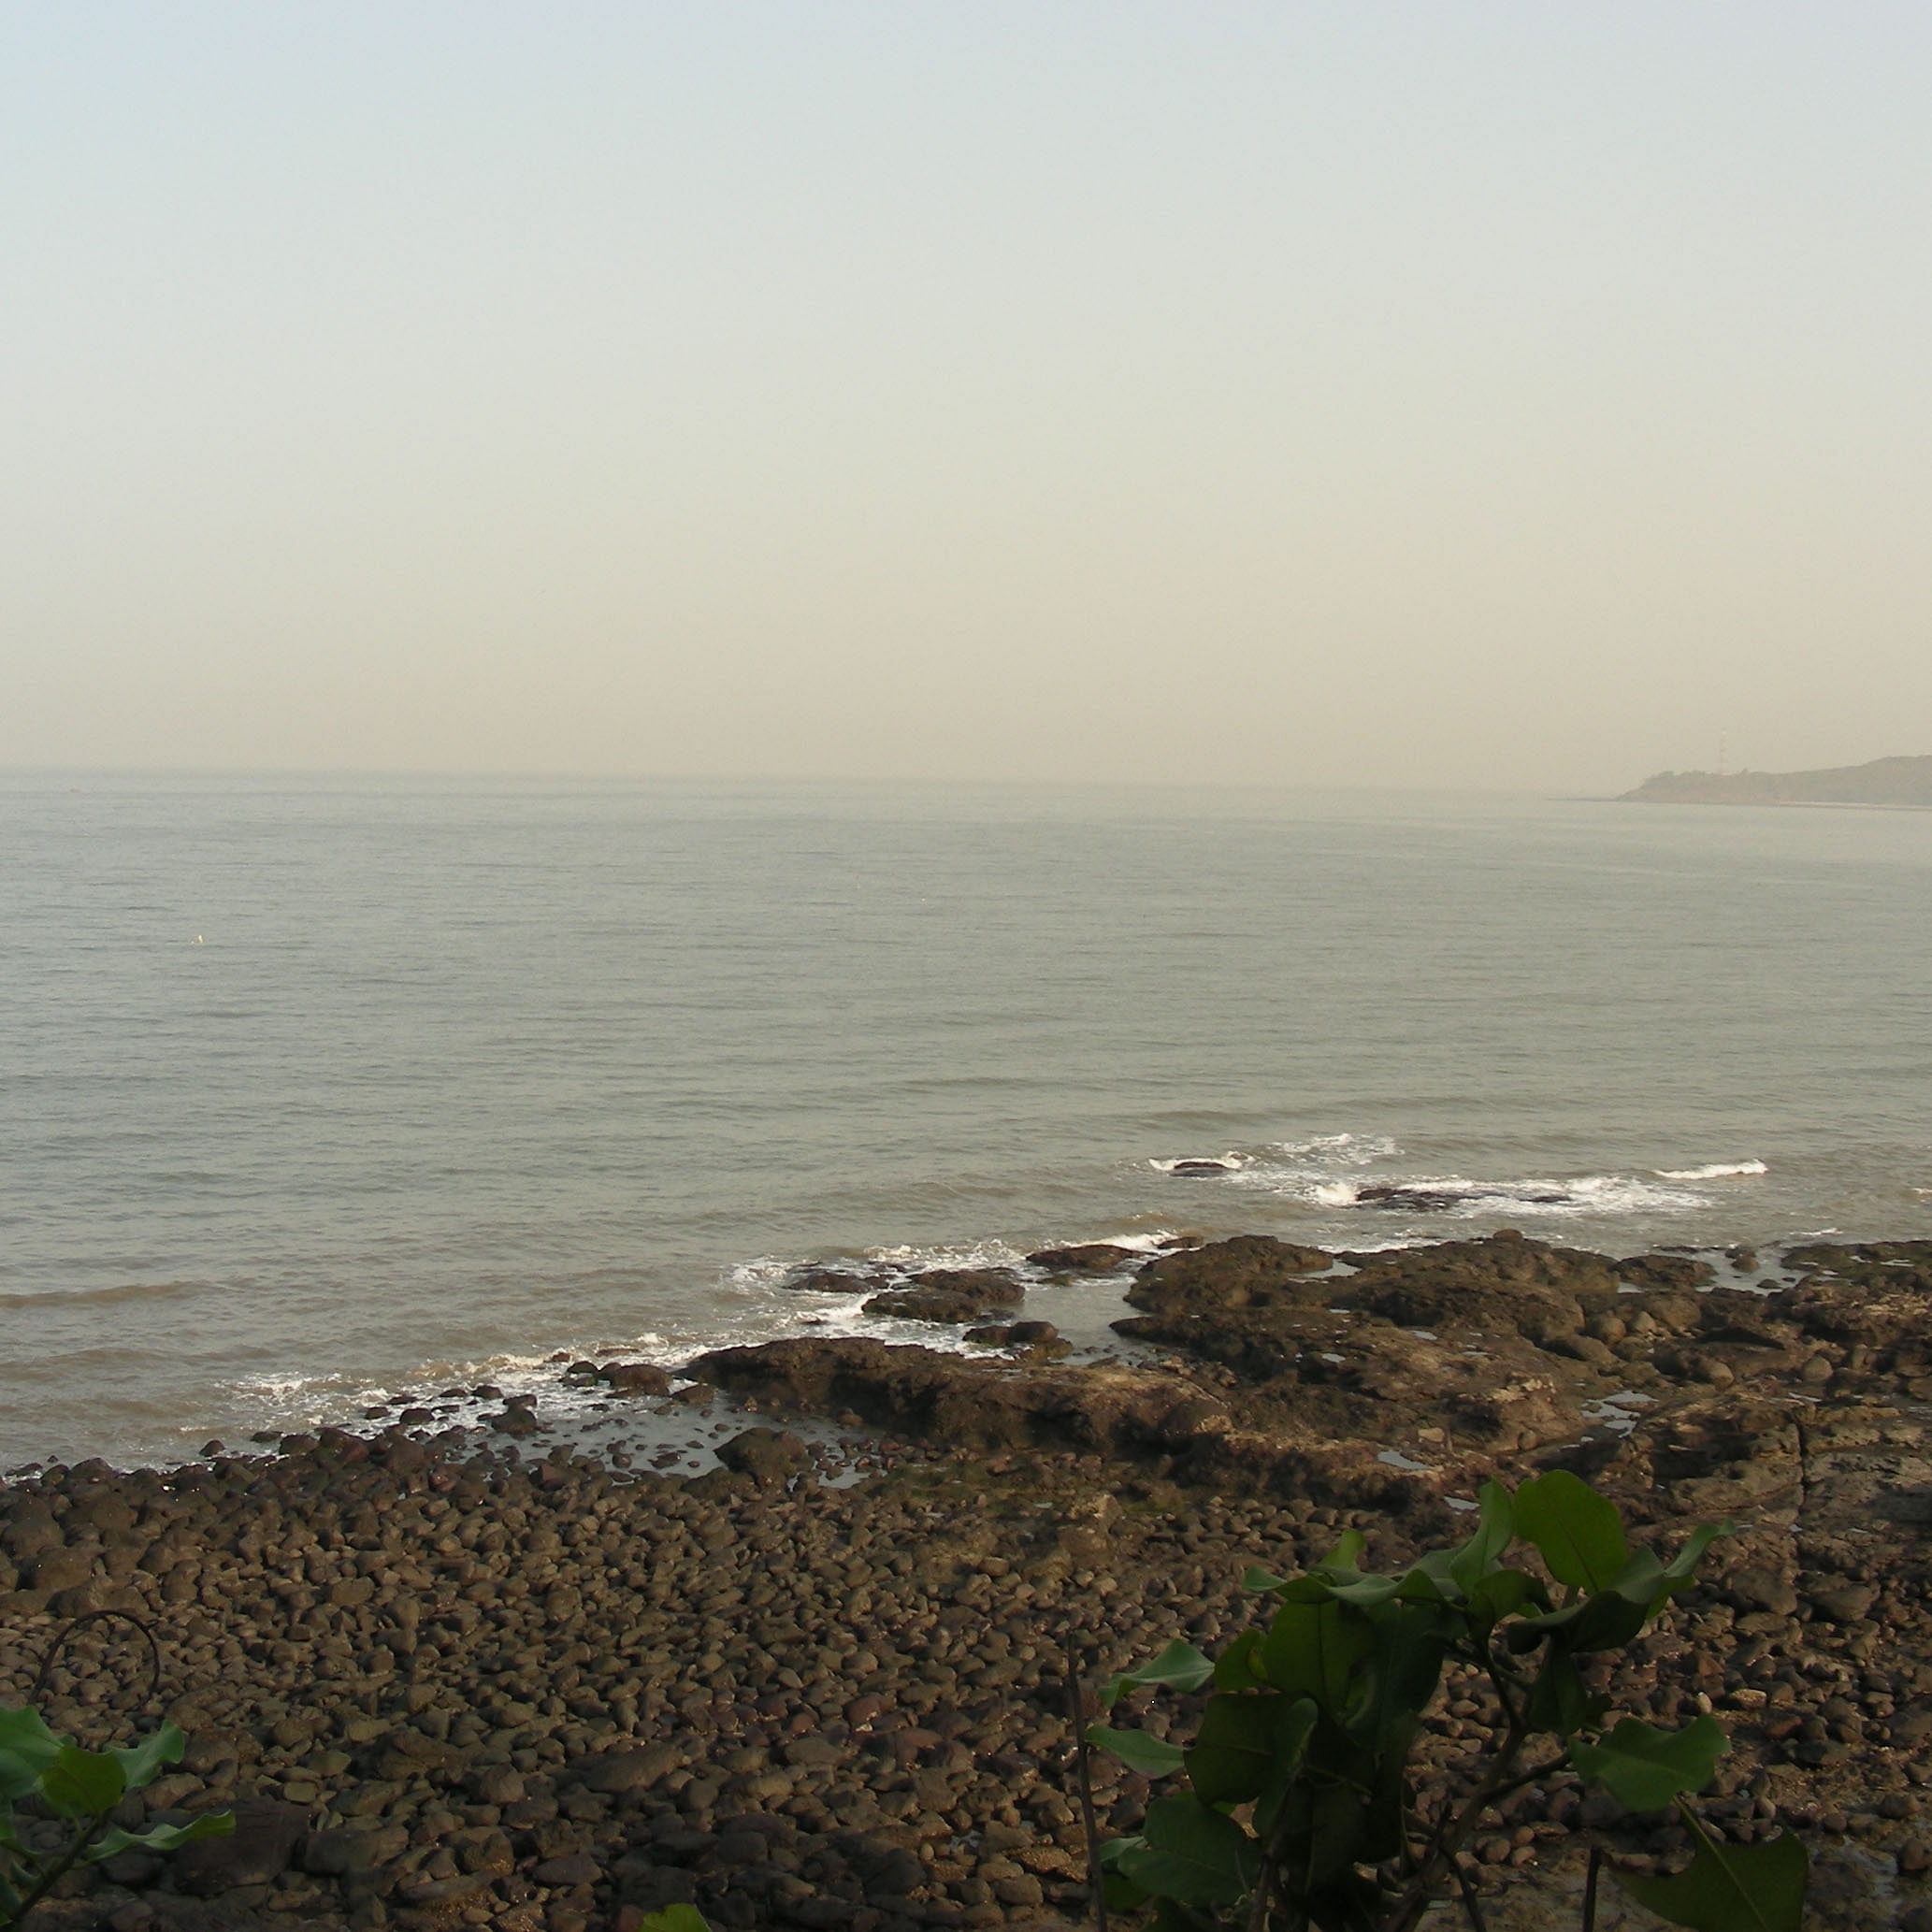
x: 1893, y: 781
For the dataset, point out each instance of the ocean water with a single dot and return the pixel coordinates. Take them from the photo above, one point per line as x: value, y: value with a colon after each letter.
x: 312, y: 1090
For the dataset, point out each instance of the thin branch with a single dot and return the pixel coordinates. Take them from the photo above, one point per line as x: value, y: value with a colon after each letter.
x: 74, y: 1623
x: 1590, y: 1889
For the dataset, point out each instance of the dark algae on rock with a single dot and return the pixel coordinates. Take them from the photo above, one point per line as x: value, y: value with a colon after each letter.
x: 462, y: 1679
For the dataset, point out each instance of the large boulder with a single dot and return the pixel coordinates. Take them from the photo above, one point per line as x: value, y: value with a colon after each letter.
x: 1503, y: 1283
x: 1247, y: 1271
x: 261, y: 1848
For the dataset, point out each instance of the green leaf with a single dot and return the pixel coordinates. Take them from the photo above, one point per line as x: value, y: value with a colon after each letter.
x: 1245, y: 1744
x: 1294, y: 1728
x: 1139, y: 1751
x: 27, y: 1747
x: 1604, y: 1622
x: 1312, y: 1649
x: 1339, y: 1831
x: 1431, y: 1579
x: 82, y: 1784
x: 1495, y: 1527
x: 1347, y: 1554
x: 1684, y: 1565
x: 1643, y: 1769
x: 1171, y: 1916
x: 1423, y: 1582
x: 1559, y: 1701
x: 1732, y: 1888
x: 1363, y: 1590
x: 1192, y: 1854
x: 1400, y: 1673
x: 1255, y: 1578
x: 140, y: 1762
x: 1180, y: 1667
x: 674, y: 1918
x: 1235, y: 1669
x: 1502, y: 1593
x: 1577, y: 1531
x: 164, y: 1838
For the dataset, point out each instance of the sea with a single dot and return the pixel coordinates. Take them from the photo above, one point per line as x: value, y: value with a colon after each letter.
x: 320, y: 1093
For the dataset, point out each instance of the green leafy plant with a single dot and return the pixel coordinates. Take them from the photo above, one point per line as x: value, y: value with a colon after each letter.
x: 1298, y: 1810
x: 674, y: 1918
x: 82, y: 1787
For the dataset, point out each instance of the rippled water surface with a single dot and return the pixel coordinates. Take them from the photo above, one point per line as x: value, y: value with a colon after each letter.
x: 314, y: 1088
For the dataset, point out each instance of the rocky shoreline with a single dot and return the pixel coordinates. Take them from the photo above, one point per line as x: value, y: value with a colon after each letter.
x: 448, y: 1682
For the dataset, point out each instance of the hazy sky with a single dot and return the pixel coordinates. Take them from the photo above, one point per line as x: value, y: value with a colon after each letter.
x: 1492, y: 394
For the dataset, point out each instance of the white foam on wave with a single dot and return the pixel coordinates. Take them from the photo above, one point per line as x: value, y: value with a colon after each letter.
x: 1335, y: 1194
x: 957, y: 1254
x: 1340, y: 1149
x: 1457, y: 1197
x: 1717, y: 1171
x: 1620, y: 1193
x: 1154, y: 1243
x: 292, y: 1400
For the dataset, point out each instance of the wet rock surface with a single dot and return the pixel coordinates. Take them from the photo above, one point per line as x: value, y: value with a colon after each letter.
x: 445, y: 1685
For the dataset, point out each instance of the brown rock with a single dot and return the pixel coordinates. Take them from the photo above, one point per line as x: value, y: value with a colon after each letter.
x: 769, y: 1455
x: 350, y: 1848
x: 1086, y: 1258
x: 571, y: 1868
x: 1226, y: 1274
x: 613, y: 1772
x: 635, y: 1378
x: 1839, y: 1598
x: 259, y: 1849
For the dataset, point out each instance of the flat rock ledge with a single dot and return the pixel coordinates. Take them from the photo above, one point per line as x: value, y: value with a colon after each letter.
x: 447, y: 1687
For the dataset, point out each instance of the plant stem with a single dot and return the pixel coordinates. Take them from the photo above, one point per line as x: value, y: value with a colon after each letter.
x: 1077, y: 1705
x: 1590, y: 1889
x: 55, y: 1872
x: 1414, y: 1902
x: 1469, y: 1904
x: 1262, y: 1910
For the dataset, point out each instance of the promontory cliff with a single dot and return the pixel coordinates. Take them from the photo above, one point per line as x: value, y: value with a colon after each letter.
x: 1893, y: 781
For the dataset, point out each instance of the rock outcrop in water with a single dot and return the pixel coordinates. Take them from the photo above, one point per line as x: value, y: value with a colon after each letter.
x: 447, y: 1686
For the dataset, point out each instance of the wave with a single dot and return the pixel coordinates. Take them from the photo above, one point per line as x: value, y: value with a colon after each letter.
x: 102, y: 1297
x: 1457, y: 1197
x: 1325, y: 1153
x: 1339, y: 1171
